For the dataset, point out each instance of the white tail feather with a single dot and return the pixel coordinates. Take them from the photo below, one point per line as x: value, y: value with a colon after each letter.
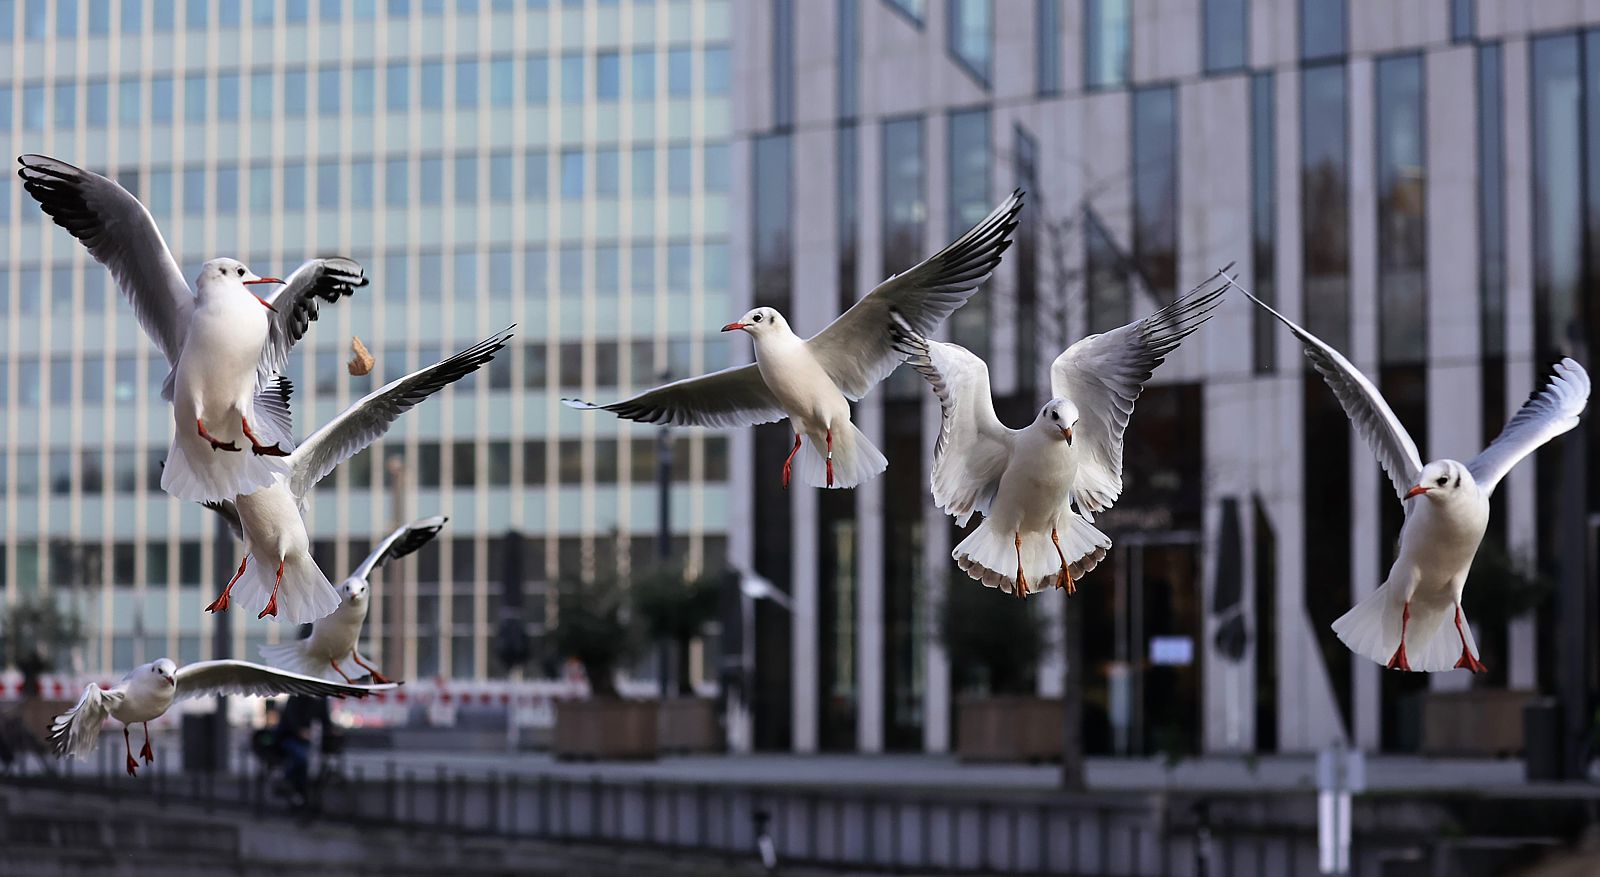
x: 1372, y: 629
x: 989, y: 554
x: 854, y: 459
x: 195, y: 472
x: 304, y: 595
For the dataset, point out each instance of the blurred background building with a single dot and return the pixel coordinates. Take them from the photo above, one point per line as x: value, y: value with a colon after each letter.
x: 559, y: 165
x: 1414, y: 182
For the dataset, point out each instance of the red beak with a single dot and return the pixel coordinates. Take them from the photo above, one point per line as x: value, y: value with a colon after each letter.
x: 266, y: 304
x: 734, y: 327
x: 262, y: 280
x: 1416, y: 491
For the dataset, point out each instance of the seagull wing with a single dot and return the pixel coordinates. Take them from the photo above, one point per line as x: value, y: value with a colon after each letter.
x: 256, y: 680
x: 736, y: 396
x: 228, y: 510
x: 1104, y: 374
x: 295, y: 306
x: 401, y: 542
x: 974, y: 447
x: 1547, y: 414
x: 368, y: 419
x: 854, y: 349
x: 1362, y: 403
x: 119, y: 233
x: 75, y: 731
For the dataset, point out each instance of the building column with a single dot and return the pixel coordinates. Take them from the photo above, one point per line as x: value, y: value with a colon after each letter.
x: 869, y: 496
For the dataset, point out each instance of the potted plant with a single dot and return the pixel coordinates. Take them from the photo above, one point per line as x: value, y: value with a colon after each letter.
x: 39, y: 634
x: 592, y: 629
x: 673, y: 610
x: 994, y: 642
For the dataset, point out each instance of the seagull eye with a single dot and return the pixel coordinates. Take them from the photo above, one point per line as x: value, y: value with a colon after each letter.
x: 1442, y: 480
x: 239, y: 271
x: 1054, y: 416
x: 757, y: 318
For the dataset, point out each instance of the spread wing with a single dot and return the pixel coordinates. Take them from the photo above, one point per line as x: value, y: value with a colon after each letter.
x: 295, y: 306
x: 119, y: 233
x: 1547, y: 414
x: 256, y: 680
x: 401, y: 542
x: 369, y: 418
x: 974, y: 447
x: 1368, y: 412
x: 1103, y: 374
x: 75, y: 731
x: 735, y: 396
x: 854, y: 349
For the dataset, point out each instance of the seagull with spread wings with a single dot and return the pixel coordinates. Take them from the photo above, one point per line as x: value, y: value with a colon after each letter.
x: 1404, y: 623
x: 812, y: 381
x: 334, y: 637
x: 1040, y: 487
x: 222, y: 343
x: 270, y: 520
x: 149, y: 690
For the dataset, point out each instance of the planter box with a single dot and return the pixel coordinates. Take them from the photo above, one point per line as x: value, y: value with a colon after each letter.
x: 1008, y: 728
x: 605, y: 728
x: 1479, y: 721
x: 689, y: 724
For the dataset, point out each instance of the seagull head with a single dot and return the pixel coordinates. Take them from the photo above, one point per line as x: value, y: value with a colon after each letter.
x: 223, y: 273
x: 1060, y: 415
x: 1441, y: 479
x: 165, y: 670
x: 353, y: 590
x: 758, y: 322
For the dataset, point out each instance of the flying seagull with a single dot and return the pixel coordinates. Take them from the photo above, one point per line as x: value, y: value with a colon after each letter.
x: 149, y: 690
x: 1039, y: 487
x: 222, y: 343
x: 812, y: 381
x: 1403, y: 623
x: 334, y: 637
x: 271, y: 522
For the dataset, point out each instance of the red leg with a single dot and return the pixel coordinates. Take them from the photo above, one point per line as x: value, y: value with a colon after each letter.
x: 272, y: 602
x: 1022, y: 580
x: 148, y: 754
x: 788, y: 464
x: 133, y: 766
x: 1467, y: 660
x: 335, y: 665
x: 830, y: 457
x: 259, y: 449
x: 376, y: 676
x: 221, y: 603
x: 215, y: 444
x: 1399, y: 662
x: 1066, y: 568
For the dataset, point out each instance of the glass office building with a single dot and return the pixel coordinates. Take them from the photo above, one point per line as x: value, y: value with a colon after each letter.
x: 1412, y: 182
x: 559, y: 165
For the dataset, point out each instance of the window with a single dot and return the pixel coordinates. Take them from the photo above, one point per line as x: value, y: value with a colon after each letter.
x: 132, y: 16
x: 161, y: 99
x: 969, y: 174
x: 502, y: 82
x: 294, y: 94
x: 773, y: 230
x: 1463, y: 20
x: 227, y: 96
x: 432, y: 73
x: 431, y: 177
x: 1105, y: 281
x: 328, y: 185
x: 66, y: 18
x: 96, y: 104
x: 680, y: 170
x: 971, y: 34
x: 261, y: 188
x: 158, y: 193
x: 33, y: 107
x: 1325, y: 202
x: 716, y: 164
x: 535, y: 271
x: 501, y: 185
x: 1491, y: 211
x: 680, y: 72
x: 1263, y: 219
x: 466, y: 277
x: 194, y: 98
x: 331, y: 10
x: 228, y: 13
x: 1402, y: 231
x: 607, y: 177
x: 571, y: 266
x: 716, y: 69
x: 643, y: 66
x: 643, y: 167
x: 572, y: 79
x: 361, y: 183
x: 536, y: 79
x: 1106, y: 43
x: 536, y: 176
x: 261, y: 94
x: 130, y: 109
x: 1322, y: 30
x: 227, y: 190
x: 467, y: 180
x: 500, y: 282
x: 163, y: 14
x: 328, y: 91
x: 1047, y: 48
x: 608, y: 76
x: 363, y: 85
x: 294, y: 186
x: 912, y: 9
x: 1227, y: 34
x: 99, y: 17
x: 397, y: 86
x: 194, y: 191
x: 1155, y: 190
x: 607, y: 271
x: 261, y: 11
x: 571, y: 173
x: 680, y: 267
x: 466, y: 84
x: 395, y: 189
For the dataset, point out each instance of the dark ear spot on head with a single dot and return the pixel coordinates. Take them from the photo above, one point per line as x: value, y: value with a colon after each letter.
x: 1458, y: 480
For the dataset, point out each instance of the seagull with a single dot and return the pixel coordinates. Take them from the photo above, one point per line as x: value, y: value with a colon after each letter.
x: 1039, y: 487
x: 222, y: 343
x: 1402, y: 624
x: 812, y: 381
x: 149, y: 690
x: 334, y: 637
x: 270, y: 521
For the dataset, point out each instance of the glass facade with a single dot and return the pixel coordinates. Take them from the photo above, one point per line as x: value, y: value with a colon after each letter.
x: 1155, y: 190
x: 971, y: 35
x: 1226, y: 27
x: 442, y: 191
x: 1263, y: 216
x: 1107, y: 42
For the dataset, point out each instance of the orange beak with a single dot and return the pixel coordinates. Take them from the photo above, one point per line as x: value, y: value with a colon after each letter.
x: 734, y: 327
x: 262, y: 280
x: 1066, y: 433
x: 1417, y: 491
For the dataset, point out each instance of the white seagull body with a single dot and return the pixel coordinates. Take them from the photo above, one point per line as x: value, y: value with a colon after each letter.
x: 1026, y: 482
x: 1404, y: 624
x: 812, y: 381
x: 222, y: 344
x: 278, y: 571
x: 149, y: 690
x: 334, y: 637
